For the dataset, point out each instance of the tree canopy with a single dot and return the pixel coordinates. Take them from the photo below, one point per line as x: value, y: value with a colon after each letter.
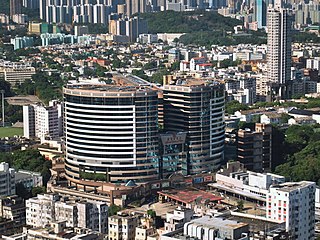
x: 302, y: 153
x: 44, y: 86
x: 201, y: 28
x: 233, y: 106
x: 30, y: 160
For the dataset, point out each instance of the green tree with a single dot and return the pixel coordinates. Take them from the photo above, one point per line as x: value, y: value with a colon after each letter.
x: 284, y: 118
x: 240, y: 205
x: 175, y: 66
x: 140, y: 73
x: 297, y: 137
x: 30, y: 160
x: 157, y: 77
x: 233, y: 106
x: 151, y: 213
x: 113, y: 209
x: 38, y: 190
x: 22, y: 192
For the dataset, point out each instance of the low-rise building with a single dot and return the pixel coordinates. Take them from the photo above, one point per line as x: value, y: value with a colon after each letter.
x: 177, y: 218
x: 56, y: 231
x: 13, y: 208
x: 46, y: 208
x: 122, y: 226
x: 16, y: 73
x: 146, y: 229
x: 251, y: 185
x: 210, y: 228
x: 29, y: 179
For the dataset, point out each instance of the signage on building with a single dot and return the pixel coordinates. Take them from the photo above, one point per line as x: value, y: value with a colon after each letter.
x: 207, y: 179
x: 198, y: 180
x: 173, y: 138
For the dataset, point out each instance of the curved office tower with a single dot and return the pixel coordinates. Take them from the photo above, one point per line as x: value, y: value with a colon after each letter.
x: 111, y: 133
x: 197, y: 108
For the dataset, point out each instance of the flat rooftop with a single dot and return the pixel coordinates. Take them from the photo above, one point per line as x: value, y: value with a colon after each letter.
x: 256, y: 225
x: 216, y: 222
x: 120, y: 84
x: 23, y: 100
x: 187, y: 196
x: 26, y: 174
x: 191, y: 81
x: 292, y: 186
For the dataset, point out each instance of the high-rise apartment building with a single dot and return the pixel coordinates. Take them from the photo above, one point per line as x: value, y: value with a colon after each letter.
x: 44, y: 122
x: 135, y: 6
x: 266, y: 131
x: 249, y: 149
x: 279, y: 23
x: 22, y: 42
x: 56, y: 11
x: 33, y: 4
x: 293, y: 203
x: 111, y: 133
x: 254, y: 148
x: 15, y: 7
x: 130, y: 27
x: 261, y: 13
x: 197, y: 108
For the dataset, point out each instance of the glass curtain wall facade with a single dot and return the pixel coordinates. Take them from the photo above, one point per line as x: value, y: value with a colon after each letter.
x: 197, y: 110
x: 111, y: 134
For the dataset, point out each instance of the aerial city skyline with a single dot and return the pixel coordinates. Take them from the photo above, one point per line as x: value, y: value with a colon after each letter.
x: 160, y: 119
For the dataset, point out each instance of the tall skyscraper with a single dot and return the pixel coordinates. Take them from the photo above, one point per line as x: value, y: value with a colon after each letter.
x: 135, y: 6
x: 111, y: 133
x: 197, y: 108
x: 15, y: 7
x: 130, y: 27
x: 279, y: 25
x: 261, y: 13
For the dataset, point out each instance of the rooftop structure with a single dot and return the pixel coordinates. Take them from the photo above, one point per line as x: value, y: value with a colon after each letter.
x: 188, y: 197
x: 244, y: 183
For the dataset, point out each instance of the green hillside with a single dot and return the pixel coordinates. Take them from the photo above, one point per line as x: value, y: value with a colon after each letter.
x: 202, y: 28
x: 188, y: 22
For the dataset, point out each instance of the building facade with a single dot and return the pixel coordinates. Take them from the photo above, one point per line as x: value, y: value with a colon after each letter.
x: 294, y: 203
x: 279, y: 24
x: 15, y: 7
x: 122, y: 226
x: 7, y: 183
x: 47, y: 208
x: 197, y: 110
x: 254, y: 147
x: 16, y: 73
x: 173, y: 152
x: 111, y: 133
x: 44, y: 122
